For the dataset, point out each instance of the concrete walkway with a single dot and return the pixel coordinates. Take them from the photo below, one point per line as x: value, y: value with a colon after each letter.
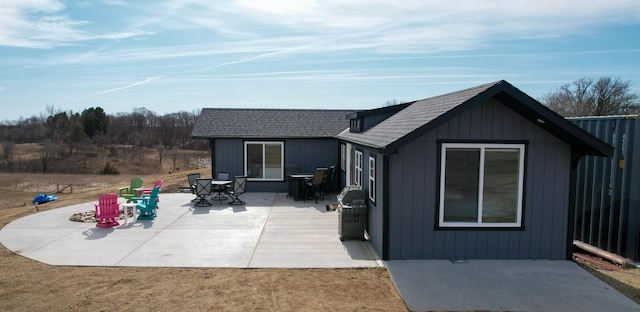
x: 272, y: 231
x: 503, y: 285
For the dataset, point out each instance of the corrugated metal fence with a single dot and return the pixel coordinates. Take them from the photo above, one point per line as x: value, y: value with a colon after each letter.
x: 608, y: 189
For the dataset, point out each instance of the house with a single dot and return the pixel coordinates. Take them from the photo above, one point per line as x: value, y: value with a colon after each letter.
x: 483, y: 173
x: 269, y: 144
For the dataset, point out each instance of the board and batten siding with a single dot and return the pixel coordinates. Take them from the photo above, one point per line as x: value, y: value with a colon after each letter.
x: 414, y: 189
x: 307, y: 154
x: 375, y: 214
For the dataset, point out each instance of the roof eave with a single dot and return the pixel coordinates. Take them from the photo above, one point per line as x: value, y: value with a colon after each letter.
x: 579, y: 139
x: 249, y: 137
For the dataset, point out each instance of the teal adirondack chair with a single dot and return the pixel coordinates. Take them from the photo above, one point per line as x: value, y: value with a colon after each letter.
x: 147, y: 205
x: 128, y: 192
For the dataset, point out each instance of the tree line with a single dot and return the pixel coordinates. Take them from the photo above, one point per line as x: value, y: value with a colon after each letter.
x: 64, y: 133
x: 587, y: 96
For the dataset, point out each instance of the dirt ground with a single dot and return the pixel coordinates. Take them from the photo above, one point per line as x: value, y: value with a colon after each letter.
x: 27, y: 285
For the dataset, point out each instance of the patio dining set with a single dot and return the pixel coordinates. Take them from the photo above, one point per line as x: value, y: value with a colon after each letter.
x: 219, y: 189
x: 311, y: 186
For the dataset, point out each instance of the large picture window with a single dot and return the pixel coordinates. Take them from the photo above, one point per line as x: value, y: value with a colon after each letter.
x: 357, y: 172
x: 481, y: 185
x: 264, y: 161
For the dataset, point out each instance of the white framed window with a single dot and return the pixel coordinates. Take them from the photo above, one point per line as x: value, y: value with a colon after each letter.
x: 372, y: 178
x: 264, y: 161
x: 357, y: 169
x: 349, y: 164
x: 481, y: 185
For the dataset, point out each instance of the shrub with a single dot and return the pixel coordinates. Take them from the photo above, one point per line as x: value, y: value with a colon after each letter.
x: 109, y: 169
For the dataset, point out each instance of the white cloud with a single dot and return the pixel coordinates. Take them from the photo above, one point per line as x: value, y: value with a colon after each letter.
x: 43, y: 24
x: 390, y: 26
x: 328, y: 16
x: 251, y: 30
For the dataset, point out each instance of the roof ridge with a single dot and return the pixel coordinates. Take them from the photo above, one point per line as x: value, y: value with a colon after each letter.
x: 481, y: 88
x: 280, y: 109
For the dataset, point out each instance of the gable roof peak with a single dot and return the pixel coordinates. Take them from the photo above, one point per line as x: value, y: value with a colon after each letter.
x: 425, y: 115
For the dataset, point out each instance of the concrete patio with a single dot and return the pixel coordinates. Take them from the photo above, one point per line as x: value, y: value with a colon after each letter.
x: 270, y: 231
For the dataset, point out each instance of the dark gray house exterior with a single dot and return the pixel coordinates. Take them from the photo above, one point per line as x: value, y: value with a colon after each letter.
x: 269, y: 144
x: 483, y: 173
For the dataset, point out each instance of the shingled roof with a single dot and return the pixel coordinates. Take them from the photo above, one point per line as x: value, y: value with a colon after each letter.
x: 424, y: 115
x: 269, y: 123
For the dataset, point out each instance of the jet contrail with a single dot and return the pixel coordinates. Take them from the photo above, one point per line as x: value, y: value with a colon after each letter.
x: 135, y: 84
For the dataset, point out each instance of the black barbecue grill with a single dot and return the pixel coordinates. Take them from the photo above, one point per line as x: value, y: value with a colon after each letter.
x: 353, y: 213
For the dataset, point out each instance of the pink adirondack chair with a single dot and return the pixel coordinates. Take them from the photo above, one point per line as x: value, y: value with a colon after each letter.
x: 107, y: 210
x: 147, y: 192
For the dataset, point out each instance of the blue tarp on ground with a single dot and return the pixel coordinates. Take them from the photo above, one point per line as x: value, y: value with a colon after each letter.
x: 43, y: 198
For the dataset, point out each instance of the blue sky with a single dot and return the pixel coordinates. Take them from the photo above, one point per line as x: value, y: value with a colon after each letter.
x: 179, y: 55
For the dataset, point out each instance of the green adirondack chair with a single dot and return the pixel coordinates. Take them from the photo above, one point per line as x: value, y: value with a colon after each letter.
x: 128, y: 192
x: 147, y: 205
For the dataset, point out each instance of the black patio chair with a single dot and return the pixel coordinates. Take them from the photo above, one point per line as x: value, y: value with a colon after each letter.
x: 239, y: 188
x: 328, y: 180
x: 191, y: 179
x: 314, y: 187
x: 203, y: 190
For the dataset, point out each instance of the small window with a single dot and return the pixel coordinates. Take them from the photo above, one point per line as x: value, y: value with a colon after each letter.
x: 355, y: 125
x: 264, y: 161
x: 481, y: 185
x: 357, y: 176
x: 372, y: 178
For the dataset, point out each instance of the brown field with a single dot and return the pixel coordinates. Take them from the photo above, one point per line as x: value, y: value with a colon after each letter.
x: 27, y: 285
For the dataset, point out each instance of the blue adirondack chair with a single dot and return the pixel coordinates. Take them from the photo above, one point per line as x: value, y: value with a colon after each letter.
x: 147, y: 205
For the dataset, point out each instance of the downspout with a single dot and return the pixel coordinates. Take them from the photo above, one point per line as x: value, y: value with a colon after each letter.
x: 385, y: 206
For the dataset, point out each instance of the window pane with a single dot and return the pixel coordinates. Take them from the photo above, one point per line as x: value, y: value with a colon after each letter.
x: 461, y: 185
x: 372, y: 179
x: 500, y: 194
x: 254, y: 160
x: 357, y: 180
x: 273, y: 160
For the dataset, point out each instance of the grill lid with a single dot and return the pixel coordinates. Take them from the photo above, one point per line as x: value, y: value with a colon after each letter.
x: 351, y: 194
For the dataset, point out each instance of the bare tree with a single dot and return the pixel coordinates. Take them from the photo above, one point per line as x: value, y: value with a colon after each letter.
x: 167, y: 130
x: 392, y: 102
x: 613, y: 96
x: 7, y: 153
x: 589, y: 97
x: 174, y: 158
x: 47, y: 154
x: 160, y: 149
